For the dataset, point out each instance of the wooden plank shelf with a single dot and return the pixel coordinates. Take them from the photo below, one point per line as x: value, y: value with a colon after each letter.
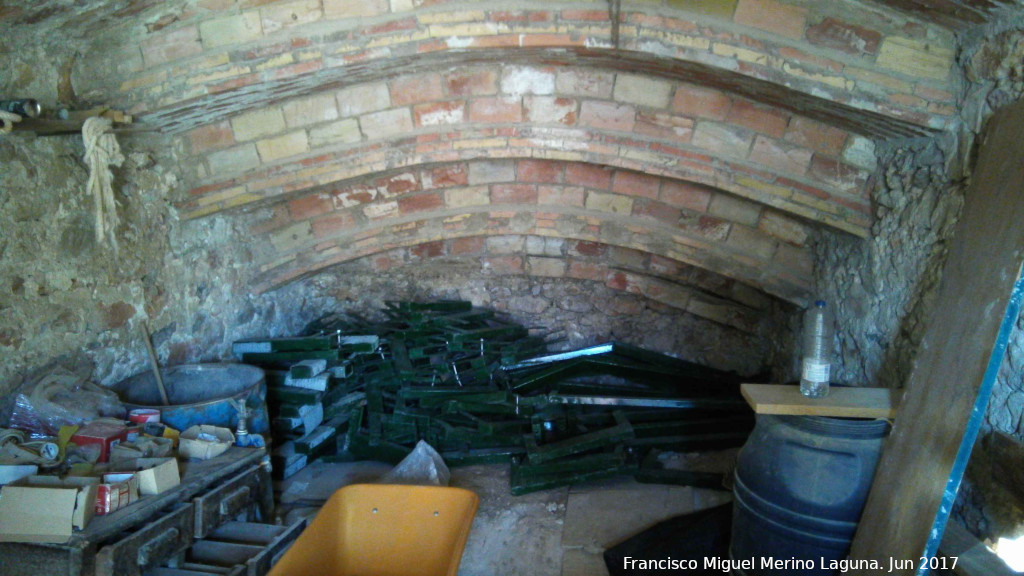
x: 841, y: 402
x: 48, y: 126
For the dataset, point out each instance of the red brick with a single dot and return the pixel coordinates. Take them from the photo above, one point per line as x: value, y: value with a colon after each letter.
x: 384, y: 262
x: 841, y: 176
x: 587, y: 271
x: 585, y: 15
x: 560, y: 196
x: 769, y: 15
x: 626, y: 257
x: 608, y: 115
x: 310, y: 206
x: 435, y: 45
x: 397, y: 184
x: 513, y: 194
x: 667, y: 126
x: 816, y: 136
x: 470, y: 245
x: 353, y: 195
x: 211, y: 137
x: 447, y: 176
x: 933, y: 93
x: 701, y: 102
x: 435, y: 113
x: 857, y: 205
x: 471, y: 83
x: 500, y: 41
x: 550, y: 110
x: 617, y: 281
x: 332, y: 224
x: 636, y: 184
x: 804, y: 58
x: 541, y: 171
x: 504, y: 264
x: 706, y: 226
x: 849, y: 38
x: 656, y: 210
x: 685, y: 195
x: 415, y: 89
x: 812, y: 190
x: 780, y: 156
x: 498, y: 110
x: 233, y: 83
x: 663, y: 265
x: 908, y: 100
x: 590, y: 248
x: 169, y: 46
x: 589, y: 175
x: 393, y: 26
x: 420, y: 203
x: 297, y: 69
x: 552, y: 40
x: 278, y: 219
x: 519, y: 16
x: 758, y: 118
x: 428, y: 249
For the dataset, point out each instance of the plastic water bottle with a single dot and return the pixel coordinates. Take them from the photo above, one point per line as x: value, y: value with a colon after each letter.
x: 817, y: 362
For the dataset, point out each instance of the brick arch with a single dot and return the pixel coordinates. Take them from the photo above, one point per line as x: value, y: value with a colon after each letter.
x: 787, y: 161
x: 696, y: 225
x: 698, y: 292
x: 222, y: 54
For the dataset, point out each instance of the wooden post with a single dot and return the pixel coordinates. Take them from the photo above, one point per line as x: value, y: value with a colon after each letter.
x: 947, y: 394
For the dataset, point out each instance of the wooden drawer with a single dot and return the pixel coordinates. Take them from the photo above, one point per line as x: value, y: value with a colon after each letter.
x: 162, y: 538
x: 271, y: 542
x: 227, y: 501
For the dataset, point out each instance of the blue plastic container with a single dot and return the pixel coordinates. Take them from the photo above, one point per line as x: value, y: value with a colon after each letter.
x: 801, y: 484
x: 200, y: 394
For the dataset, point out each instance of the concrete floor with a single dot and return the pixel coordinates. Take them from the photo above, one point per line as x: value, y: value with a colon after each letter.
x: 558, y: 532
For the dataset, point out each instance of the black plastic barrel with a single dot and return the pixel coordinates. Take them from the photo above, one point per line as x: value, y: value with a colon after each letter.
x: 801, y: 484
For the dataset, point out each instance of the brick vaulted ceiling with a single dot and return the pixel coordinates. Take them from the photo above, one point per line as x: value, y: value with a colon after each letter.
x: 699, y: 134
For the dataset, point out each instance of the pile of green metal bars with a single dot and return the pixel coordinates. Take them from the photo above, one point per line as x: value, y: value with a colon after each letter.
x: 481, y: 390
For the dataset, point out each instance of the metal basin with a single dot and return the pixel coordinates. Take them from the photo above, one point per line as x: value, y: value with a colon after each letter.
x: 200, y: 394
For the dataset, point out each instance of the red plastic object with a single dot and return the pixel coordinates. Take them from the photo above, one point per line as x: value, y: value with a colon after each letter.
x: 104, y: 434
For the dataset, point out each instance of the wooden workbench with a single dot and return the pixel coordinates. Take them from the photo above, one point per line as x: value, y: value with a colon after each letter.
x: 128, y: 540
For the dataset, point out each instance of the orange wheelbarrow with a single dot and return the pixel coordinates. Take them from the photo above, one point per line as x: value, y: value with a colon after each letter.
x: 384, y: 530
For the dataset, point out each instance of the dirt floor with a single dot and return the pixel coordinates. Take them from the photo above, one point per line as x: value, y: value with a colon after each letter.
x: 558, y: 532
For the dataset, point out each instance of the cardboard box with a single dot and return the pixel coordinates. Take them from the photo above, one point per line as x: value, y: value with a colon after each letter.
x: 118, y: 490
x: 155, y: 475
x: 46, y: 508
x: 204, y: 442
x: 103, y: 434
x: 141, y: 447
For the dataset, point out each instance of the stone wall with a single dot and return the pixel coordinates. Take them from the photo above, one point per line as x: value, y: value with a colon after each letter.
x: 880, y: 288
x: 71, y: 300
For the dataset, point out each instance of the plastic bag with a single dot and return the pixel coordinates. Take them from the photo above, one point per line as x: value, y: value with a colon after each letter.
x: 62, y: 398
x: 423, y: 466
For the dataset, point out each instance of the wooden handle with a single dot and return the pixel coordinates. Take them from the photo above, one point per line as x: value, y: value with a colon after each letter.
x: 154, y: 363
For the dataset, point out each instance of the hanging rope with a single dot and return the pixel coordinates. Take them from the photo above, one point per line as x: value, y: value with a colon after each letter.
x: 7, y: 120
x: 102, y: 151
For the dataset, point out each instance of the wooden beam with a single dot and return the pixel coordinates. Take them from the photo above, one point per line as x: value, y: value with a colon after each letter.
x: 73, y: 124
x: 963, y: 346
x: 845, y: 402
